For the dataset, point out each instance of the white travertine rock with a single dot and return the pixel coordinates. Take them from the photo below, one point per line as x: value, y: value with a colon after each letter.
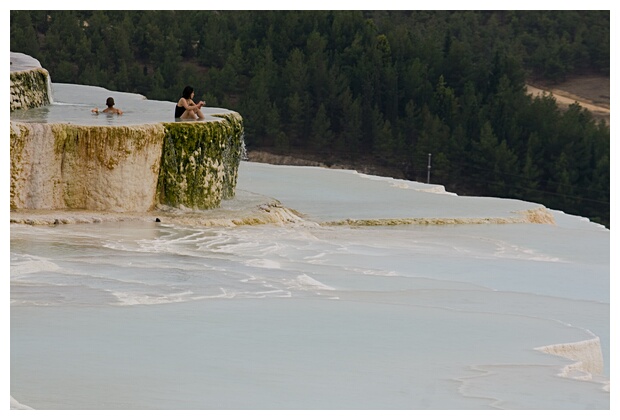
x: 64, y: 158
x: 58, y: 166
x: 587, y: 354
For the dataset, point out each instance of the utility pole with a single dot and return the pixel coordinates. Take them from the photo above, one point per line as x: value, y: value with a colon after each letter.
x: 428, y: 174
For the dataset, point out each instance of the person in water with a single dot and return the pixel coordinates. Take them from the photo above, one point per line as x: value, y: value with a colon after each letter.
x: 110, y: 109
x: 186, y: 109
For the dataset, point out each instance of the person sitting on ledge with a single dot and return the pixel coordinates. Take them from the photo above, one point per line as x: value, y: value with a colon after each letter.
x: 110, y: 109
x: 186, y: 109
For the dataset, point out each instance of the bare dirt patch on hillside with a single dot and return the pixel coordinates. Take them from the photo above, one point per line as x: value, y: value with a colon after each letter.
x: 591, y: 92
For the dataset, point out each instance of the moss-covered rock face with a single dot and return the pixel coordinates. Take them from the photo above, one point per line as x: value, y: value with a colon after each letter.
x: 233, y: 153
x: 29, y: 89
x: 200, y: 161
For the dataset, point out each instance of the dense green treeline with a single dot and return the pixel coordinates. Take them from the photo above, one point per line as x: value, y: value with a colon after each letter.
x: 394, y: 86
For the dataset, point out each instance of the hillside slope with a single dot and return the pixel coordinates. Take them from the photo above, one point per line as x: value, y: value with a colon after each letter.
x: 591, y: 92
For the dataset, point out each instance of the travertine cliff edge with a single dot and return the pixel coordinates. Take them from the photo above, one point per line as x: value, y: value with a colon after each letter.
x: 126, y: 165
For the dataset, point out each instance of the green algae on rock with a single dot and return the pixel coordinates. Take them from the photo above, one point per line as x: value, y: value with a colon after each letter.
x: 29, y: 89
x: 200, y: 161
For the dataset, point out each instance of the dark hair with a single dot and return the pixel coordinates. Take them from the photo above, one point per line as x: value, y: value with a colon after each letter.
x: 187, y: 92
x: 109, y: 101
